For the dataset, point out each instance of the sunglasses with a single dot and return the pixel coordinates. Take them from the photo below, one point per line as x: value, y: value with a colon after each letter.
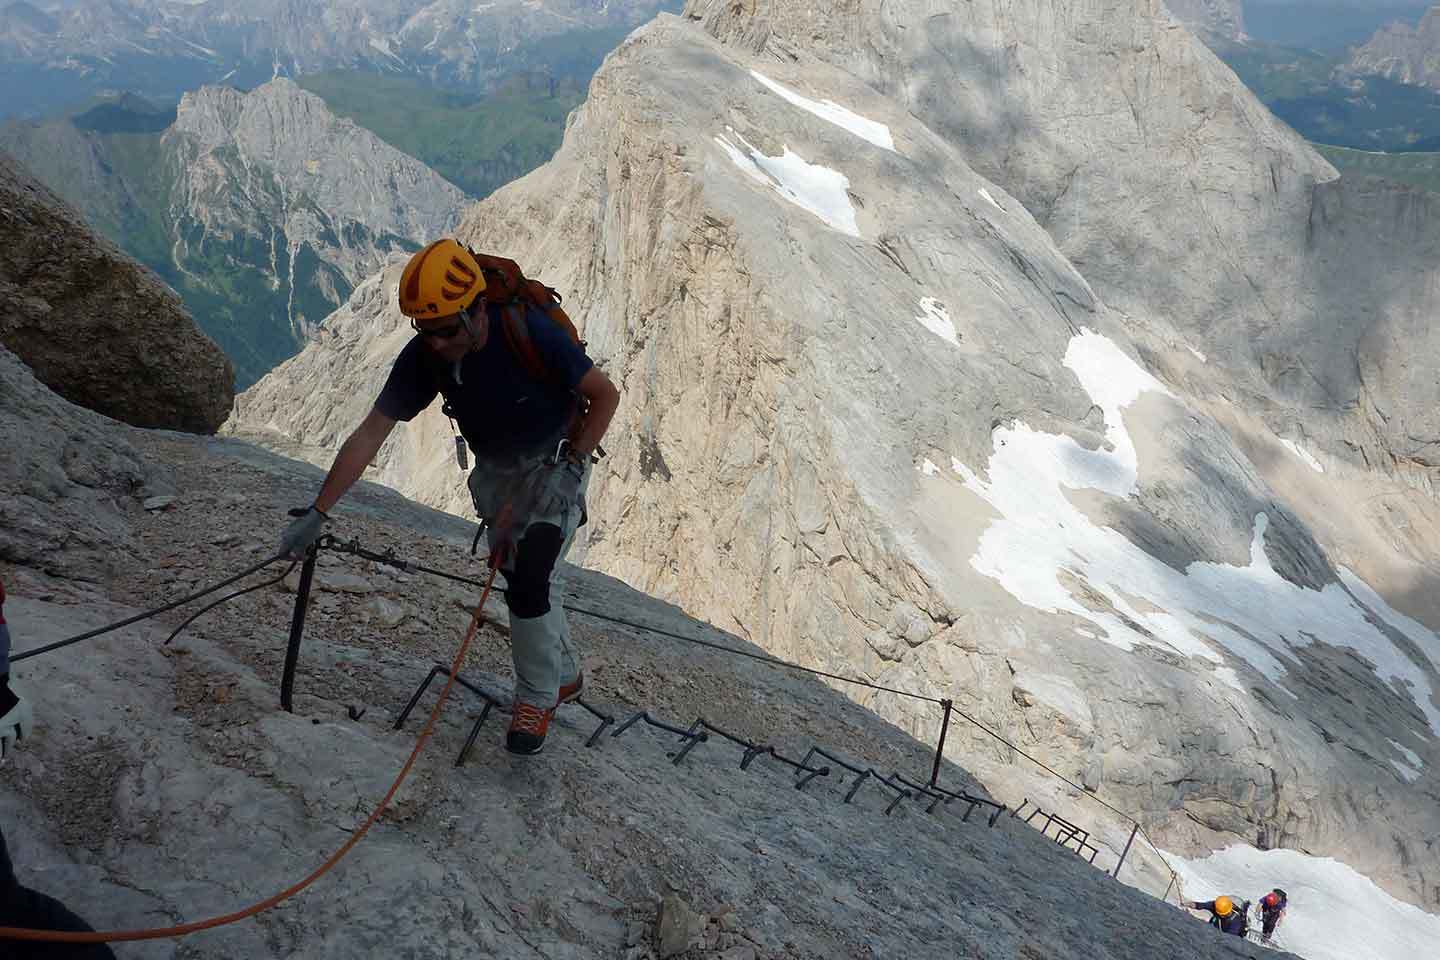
x: 438, y: 333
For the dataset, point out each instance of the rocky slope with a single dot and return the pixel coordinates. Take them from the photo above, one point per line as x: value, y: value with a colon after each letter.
x: 69, y: 483
x: 1407, y: 53
x: 163, y: 783
x: 263, y: 208
x: 888, y: 296
x: 87, y: 318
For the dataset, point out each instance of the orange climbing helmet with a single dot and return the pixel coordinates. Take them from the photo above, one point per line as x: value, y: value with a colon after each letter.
x: 440, y: 281
x: 1223, y: 906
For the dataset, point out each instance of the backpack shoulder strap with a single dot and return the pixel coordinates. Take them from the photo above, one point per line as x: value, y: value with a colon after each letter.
x: 517, y: 335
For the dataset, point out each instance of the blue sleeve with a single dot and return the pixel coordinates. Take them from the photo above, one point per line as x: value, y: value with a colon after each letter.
x: 560, y: 353
x: 410, y: 387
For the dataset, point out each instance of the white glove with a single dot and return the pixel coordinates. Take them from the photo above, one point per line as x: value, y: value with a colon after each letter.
x: 15, y: 725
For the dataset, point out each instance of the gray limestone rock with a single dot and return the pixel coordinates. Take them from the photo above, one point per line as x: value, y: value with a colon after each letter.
x: 163, y: 781
x: 838, y: 343
x: 677, y: 927
x: 94, y: 325
x: 69, y: 481
x: 273, y: 167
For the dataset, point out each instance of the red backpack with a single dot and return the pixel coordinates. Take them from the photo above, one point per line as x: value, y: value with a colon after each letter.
x: 507, y: 286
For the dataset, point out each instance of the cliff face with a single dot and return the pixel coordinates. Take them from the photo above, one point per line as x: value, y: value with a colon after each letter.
x: 1402, y: 52
x: 274, y: 170
x: 89, y: 320
x: 263, y: 209
x: 980, y: 352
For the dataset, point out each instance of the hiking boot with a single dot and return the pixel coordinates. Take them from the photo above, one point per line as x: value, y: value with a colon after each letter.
x: 528, y: 726
x: 569, y: 691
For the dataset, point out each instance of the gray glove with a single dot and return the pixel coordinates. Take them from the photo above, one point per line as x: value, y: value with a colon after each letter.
x: 15, y: 725
x: 303, y: 532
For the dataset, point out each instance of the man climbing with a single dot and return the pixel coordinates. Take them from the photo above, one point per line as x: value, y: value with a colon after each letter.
x: 533, y: 430
x: 1224, y: 915
x: 1272, y: 911
x: 21, y: 906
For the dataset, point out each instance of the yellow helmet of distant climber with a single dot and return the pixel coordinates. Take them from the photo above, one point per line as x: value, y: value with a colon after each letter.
x: 1223, y: 906
x: 440, y: 281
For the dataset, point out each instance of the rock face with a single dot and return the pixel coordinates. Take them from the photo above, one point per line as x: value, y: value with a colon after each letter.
x: 1219, y: 19
x: 68, y: 482
x: 275, y: 169
x: 263, y: 209
x: 163, y: 781
x: 94, y: 325
x: 1015, y: 355
x: 1402, y: 52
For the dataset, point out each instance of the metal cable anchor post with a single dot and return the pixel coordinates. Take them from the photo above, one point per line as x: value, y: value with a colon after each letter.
x: 297, y: 628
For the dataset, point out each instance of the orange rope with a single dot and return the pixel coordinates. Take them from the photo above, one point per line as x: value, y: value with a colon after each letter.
x: 111, y: 936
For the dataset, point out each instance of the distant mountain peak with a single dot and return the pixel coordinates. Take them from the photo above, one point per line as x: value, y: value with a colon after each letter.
x: 1403, y: 52
x: 1222, y: 19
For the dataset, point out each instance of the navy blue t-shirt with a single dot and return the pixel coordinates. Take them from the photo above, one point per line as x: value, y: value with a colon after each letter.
x: 500, y: 408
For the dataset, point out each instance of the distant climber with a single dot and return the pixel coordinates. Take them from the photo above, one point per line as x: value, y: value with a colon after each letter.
x: 21, y: 906
x: 1272, y: 911
x: 532, y: 406
x: 15, y: 714
x: 1225, y: 915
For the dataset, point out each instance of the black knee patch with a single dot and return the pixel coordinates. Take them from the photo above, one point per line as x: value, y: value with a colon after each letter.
x: 529, y: 585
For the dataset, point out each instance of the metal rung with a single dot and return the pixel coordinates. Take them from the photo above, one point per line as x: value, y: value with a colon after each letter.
x: 474, y: 734
x: 605, y: 721
x: 690, y: 738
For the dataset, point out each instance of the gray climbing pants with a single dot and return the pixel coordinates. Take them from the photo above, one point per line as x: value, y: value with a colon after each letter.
x: 536, y: 507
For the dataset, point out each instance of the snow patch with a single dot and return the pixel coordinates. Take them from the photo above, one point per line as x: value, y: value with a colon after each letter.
x: 1334, y: 912
x: 1230, y: 678
x: 1407, y: 773
x: 995, y: 203
x: 202, y: 49
x: 935, y: 319
x: 1410, y: 755
x: 1051, y: 556
x: 1410, y: 771
x: 810, y: 186
x: 1197, y: 354
x: 928, y: 468
x: 383, y: 45
x: 828, y: 110
x: 1303, y: 454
